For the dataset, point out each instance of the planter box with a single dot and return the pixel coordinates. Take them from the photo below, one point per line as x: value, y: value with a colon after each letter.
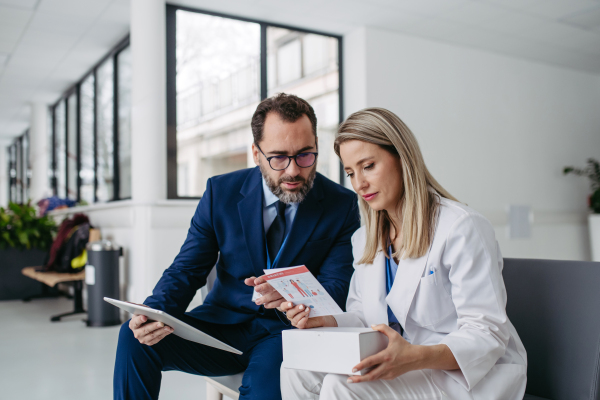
x: 13, y: 284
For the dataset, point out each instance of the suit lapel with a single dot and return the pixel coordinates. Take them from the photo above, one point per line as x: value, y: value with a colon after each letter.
x: 374, y: 293
x: 250, y: 209
x: 408, y: 277
x: 306, y: 219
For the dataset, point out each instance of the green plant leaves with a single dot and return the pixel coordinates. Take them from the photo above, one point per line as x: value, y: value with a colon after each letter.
x: 21, y: 228
x: 591, y: 171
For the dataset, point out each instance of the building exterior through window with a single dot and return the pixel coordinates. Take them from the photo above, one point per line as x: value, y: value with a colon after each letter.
x: 218, y: 86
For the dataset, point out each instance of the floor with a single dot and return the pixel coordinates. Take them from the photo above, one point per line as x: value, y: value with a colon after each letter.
x: 66, y: 360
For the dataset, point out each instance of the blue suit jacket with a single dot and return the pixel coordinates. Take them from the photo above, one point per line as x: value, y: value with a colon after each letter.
x: 229, y: 221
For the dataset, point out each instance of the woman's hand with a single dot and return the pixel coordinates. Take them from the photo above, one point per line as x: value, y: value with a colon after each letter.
x: 299, y: 317
x: 397, y: 359
x: 401, y: 357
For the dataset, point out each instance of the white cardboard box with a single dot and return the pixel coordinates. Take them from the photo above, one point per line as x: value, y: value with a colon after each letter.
x: 331, y: 350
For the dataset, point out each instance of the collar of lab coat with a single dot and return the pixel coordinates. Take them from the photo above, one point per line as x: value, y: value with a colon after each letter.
x: 410, y: 271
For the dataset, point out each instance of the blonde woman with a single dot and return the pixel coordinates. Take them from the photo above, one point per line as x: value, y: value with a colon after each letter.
x: 428, y: 275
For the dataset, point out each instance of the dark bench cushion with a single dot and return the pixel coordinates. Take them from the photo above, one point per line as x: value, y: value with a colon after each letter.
x: 555, y: 308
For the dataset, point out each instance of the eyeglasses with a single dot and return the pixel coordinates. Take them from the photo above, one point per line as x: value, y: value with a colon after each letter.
x: 279, y: 163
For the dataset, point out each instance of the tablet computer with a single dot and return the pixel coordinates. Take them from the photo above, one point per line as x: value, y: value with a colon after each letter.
x: 180, y: 328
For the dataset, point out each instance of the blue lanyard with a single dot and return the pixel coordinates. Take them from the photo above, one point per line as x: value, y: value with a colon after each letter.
x: 269, y: 264
x: 389, y: 281
x: 389, y: 275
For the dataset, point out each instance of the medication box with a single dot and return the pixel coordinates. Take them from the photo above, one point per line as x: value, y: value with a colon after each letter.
x: 330, y: 350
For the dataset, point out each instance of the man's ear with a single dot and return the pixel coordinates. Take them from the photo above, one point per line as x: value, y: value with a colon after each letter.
x: 255, y: 154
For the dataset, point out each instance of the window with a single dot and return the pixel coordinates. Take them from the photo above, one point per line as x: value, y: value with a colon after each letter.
x: 72, y: 147
x: 218, y: 88
x: 218, y: 70
x: 26, y: 165
x: 91, y: 136
x: 19, y: 172
x: 87, y: 174
x: 124, y: 122
x: 306, y: 64
x: 60, y: 149
x: 104, y: 133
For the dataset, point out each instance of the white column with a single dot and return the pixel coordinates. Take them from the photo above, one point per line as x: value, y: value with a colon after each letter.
x: 148, y: 92
x: 3, y: 174
x: 38, y: 138
x: 148, y: 142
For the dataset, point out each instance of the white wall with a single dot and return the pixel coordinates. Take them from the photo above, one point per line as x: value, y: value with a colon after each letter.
x: 494, y: 130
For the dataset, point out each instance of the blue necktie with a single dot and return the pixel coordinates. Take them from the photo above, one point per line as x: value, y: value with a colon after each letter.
x: 276, y: 232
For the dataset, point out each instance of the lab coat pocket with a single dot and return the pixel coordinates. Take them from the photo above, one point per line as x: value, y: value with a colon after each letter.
x: 431, y: 303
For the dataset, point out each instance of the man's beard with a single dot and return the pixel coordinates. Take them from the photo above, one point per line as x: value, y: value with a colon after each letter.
x: 286, y: 196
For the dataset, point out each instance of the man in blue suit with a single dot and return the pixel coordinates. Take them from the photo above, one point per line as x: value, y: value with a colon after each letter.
x: 279, y: 214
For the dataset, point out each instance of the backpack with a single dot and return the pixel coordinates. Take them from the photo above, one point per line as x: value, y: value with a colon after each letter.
x: 68, y: 253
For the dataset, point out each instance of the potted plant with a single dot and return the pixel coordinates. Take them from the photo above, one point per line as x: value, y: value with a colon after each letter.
x: 592, y: 171
x: 25, y: 240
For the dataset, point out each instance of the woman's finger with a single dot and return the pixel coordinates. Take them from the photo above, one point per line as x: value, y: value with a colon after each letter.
x: 303, y: 323
x: 303, y: 313
x: 386, y: 330
x: 290, y: 314
x: 370, y: 361
x: 372, y: 375
x: 294, y: 311
x: 286, y: 306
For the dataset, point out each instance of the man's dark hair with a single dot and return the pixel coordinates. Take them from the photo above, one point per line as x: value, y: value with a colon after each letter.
x: 290, y: 108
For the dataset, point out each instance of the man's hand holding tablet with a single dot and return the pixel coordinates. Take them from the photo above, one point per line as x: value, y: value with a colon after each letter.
x: 148, y: 332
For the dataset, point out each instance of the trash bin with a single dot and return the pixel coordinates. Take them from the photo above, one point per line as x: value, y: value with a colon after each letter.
x: 102, y: 280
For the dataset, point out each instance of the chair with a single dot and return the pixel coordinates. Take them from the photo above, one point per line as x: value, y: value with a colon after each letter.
x: 216, y: 387
x: 554, y: 306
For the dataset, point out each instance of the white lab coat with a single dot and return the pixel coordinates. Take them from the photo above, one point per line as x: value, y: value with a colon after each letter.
x: 462, y: 304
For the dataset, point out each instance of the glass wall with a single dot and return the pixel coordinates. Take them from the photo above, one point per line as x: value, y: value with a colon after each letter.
x: 217, y: 87
x: 306, y: 64
x: 104, y: 134
x: 26, y: 179
x: 12, y: 174
x: 19, y: 172
x: 72, y: 146
x: 86, y: 140
x: 85, y: 160
x: 60, y: 149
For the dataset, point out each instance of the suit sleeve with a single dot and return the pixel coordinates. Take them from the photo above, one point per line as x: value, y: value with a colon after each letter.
x: 336, y: 271
x: 477, y: 288
x: 354, y: 315
x: 198, y: 255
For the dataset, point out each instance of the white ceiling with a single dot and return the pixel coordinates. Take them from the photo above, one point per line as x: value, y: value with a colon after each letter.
x: 47, y: 45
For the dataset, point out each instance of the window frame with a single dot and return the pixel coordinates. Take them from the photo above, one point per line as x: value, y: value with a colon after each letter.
x: 171, y: 44
x: 75, y: 89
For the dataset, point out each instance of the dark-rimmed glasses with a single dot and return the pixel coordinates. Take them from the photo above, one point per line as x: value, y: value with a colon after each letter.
x: 279, y: 163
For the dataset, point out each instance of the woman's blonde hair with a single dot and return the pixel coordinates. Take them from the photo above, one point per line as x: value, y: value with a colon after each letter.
x: 418, y: 206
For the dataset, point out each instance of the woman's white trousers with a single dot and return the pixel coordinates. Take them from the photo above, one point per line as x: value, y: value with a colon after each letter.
x: 300, y: 385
